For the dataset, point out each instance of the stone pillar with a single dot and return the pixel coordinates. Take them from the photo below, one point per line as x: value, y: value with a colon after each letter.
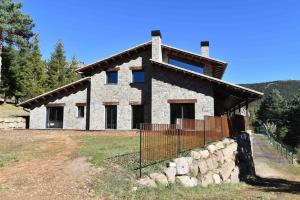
x: 156, y: 45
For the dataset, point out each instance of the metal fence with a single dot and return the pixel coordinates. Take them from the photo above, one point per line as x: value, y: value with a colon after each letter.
x: 160, y: 142
x: 286, y: 151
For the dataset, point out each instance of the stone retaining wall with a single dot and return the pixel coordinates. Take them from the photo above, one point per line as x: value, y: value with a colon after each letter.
x: 12, y: 122
x: 214, y: 164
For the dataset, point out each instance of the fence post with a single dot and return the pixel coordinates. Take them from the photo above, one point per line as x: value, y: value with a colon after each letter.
x: 141, y: 126
x: 204, y: 133
x: 178, y: 140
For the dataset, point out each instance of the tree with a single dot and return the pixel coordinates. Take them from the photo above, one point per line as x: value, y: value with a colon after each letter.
x: 71, y: 74
x: 8, y: 84
x: 274, y: 109
x: 35, y: 72
x: 293, y: 136
x: 56, y: 67
x: 15, y: 27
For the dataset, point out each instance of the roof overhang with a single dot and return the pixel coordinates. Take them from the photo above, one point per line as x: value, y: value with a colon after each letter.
x: 114, y: 58
x: 56, y: 93
x: 218, y: 66
x: 231, y: 95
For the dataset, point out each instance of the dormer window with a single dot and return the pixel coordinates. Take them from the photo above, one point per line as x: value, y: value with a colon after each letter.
x: 188, y: 66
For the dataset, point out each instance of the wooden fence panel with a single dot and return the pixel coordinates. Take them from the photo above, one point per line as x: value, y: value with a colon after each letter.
x: 165, y: 141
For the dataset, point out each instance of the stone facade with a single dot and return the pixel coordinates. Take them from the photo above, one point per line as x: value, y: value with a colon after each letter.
x: 159, y: 86
x: 171, y: 85
x: 124, y: 92
x: 38, y: 115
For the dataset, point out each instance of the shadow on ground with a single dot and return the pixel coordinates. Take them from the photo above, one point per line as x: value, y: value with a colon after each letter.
x: 275, y: 185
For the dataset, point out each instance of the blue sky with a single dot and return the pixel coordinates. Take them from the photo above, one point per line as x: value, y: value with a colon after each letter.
x: 259, y: 39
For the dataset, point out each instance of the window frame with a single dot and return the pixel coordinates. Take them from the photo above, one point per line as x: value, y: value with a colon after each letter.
x: 137, y: 71
x: 133, y: 117
x: 79, y: 113
x: 107, y: 79
x: 111, y: 125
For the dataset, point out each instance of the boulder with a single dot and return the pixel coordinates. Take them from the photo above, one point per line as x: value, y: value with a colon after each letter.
x: 234, y: 176
x: 186, y: 181
x: 215, y: 161
x: 159, y: 178
x: 216, y: 178
x: 195, y: 155
x: 206, y: 179
x: 171, y: 164
x: 229, y: 151
x: 226, y: 141
x: 204, y: 153
x: 146, y: 182
x: 202, y: 166
x: 220, y: 157
x: 219, y: 145
x: 170, y: 173
x: 194, y: 168
x: 226, y: 170
x: 210, y: 164
x: 182, y: 166
x: 211, y: 148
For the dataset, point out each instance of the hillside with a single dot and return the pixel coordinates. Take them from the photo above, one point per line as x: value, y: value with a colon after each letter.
x: 286, y: 88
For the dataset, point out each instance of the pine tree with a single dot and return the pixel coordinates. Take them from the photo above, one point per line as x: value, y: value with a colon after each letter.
x: 274, y: 109
x: 56, y: 67
x: 71, y: 74
x: 8, y: 84
x: 34, y: 71
x: 293, y: 136
x: 15, y: 27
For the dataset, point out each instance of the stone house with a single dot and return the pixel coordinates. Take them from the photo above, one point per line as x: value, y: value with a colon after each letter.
x: 151, y: 82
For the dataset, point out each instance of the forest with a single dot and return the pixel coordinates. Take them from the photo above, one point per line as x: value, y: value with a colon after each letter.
x: 24, y: 73
x: 278, y: 110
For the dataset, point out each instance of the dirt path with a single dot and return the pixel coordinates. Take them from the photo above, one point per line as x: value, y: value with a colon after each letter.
x: 268, y: 161
x: 52, y: 176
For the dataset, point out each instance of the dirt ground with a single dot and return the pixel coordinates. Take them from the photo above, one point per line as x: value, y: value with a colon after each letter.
x: 46, y: 169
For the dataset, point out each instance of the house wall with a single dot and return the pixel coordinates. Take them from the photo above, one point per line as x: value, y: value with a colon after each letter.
x: 38, y: 115
x: 123, y: 93
x: 168, y: 84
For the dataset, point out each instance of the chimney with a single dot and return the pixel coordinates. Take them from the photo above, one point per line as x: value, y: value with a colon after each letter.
x: 156, y: 45
x: 205, y: 48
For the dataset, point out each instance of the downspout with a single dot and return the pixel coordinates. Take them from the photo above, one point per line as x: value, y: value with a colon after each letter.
x: 88, y: 105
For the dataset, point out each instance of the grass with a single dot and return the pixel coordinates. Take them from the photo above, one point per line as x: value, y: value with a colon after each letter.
x: 115, y: 155
x: 99, y: 148
x: 6, y: 159
x: 9, y: 110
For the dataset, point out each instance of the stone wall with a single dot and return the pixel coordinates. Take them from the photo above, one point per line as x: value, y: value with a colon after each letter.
x: 212, y: 165
x: 171, y: 85
x: 12, y: 122
x: 38, y: 115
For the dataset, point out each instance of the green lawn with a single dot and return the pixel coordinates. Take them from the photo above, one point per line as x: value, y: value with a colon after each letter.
x: 116, y: 180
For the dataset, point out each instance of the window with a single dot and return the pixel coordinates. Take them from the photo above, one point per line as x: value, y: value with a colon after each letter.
x: 137, y: 116
x: 182, y: 111
x: 138, y: 76
x: 110, y: 117
x: 185, y: 65
x: 112, y: 77
x: 55, y: 117
x: 80, y: 111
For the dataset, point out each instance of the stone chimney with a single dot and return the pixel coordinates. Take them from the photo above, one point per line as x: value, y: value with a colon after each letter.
x: 205, y: 48
x: 156, y: 45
